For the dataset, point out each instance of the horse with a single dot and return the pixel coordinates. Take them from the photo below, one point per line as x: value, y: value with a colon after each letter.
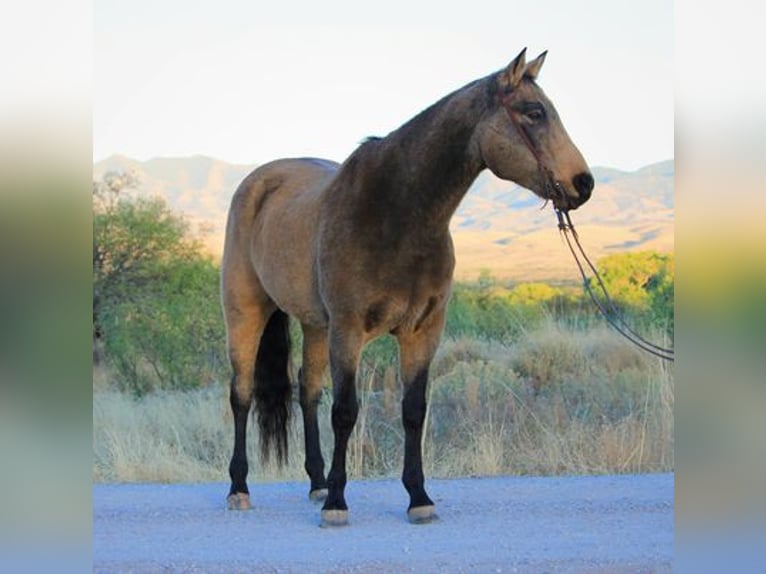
x: 357, y: 250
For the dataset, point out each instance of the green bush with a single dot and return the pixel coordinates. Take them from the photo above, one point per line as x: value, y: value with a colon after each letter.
x: 485, y: 312
x: 642, y: 285
x: 171, y: 335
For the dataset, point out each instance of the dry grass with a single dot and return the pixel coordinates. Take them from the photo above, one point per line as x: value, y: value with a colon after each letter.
x: 561, y: 401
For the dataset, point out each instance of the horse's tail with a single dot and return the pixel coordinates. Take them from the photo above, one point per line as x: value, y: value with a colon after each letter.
x: 272, y: 387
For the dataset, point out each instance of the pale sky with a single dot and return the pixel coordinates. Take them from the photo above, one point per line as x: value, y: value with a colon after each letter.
x: 247, y: 82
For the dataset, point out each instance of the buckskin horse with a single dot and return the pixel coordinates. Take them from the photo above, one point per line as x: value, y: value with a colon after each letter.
x: 361, y: 249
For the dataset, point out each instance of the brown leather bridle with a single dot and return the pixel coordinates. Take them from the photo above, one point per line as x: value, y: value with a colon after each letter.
x: 505, y: 101
x: 546, y: 174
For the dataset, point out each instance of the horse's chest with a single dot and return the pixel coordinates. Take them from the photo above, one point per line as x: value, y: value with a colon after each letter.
x: 386, y: 287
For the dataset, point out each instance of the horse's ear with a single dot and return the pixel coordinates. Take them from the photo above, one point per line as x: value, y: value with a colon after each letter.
x: 533, y: 68
x: 512, y: 75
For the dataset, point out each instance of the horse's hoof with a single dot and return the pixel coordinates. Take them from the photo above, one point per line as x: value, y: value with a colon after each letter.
x: 333, y: 518
x: 318, y: 495
x: 239, y: 501
x: 422, y: 514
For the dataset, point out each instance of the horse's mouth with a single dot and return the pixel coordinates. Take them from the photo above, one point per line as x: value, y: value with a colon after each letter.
x: 562, y: 198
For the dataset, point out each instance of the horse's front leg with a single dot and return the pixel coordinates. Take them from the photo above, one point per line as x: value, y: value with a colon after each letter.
x: 416, y: 350
x: 345, y: 348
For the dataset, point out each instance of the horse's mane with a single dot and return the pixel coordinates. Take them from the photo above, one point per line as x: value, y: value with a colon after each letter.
x: 419, y: 119
x: 387, y: 153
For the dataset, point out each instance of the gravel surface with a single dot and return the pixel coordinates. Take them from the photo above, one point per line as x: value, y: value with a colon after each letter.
x: 605, y: 524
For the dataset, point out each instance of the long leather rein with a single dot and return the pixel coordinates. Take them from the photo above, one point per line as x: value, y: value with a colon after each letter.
x: 607, y: 308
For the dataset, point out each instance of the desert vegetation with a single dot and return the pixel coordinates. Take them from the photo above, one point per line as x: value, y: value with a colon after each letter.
x: 528, y: 380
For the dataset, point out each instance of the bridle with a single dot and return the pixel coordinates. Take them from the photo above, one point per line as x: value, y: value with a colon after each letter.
x: 546, y: 173
x: 567, y: 229
x: 505, y: 101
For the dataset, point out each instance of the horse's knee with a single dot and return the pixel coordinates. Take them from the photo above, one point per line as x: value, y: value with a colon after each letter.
x: 345, y: 412
x: 345, y: 406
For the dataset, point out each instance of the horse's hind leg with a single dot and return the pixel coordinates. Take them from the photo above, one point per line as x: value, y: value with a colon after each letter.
x: 315, y: 357
x: 246, y: 315
x: 416, y: 350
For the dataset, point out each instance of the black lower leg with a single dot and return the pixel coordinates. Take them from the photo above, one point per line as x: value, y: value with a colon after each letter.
x: 238, y: 466
x: 344, y: 413
x: 413, y: 416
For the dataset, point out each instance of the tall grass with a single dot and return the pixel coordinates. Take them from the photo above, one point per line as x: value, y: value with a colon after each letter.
x: 561, y: 400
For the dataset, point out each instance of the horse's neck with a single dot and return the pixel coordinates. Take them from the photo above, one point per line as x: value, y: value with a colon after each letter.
x: 434, y: 160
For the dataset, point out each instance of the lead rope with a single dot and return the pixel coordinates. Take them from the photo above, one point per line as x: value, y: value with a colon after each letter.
x: 612, y: 315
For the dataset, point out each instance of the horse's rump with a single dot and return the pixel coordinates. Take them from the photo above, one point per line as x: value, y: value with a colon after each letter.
x: 272, y: 231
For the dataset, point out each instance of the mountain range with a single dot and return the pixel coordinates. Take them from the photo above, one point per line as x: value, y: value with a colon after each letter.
x: 499, y: 225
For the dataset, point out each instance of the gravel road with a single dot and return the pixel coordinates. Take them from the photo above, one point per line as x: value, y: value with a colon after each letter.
x: 604, y: 524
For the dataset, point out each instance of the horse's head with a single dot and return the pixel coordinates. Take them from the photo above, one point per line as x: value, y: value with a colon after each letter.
x: 522, y: 139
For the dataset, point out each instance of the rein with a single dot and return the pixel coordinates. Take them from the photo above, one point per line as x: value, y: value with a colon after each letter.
x: 608, y: 310
x: 567, y: 229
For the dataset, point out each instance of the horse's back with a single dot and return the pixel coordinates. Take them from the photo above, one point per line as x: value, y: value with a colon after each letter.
x: 271, y: 233
x: 286, y: 176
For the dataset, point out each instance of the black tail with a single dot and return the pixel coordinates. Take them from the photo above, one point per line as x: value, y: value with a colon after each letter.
x: 272, y: 387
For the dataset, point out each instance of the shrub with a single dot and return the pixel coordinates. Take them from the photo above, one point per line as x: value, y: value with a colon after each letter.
x: 156, y: 310
x: 642, y: 284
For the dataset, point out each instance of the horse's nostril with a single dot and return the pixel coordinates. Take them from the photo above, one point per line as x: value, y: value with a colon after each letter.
x: 583, y: 183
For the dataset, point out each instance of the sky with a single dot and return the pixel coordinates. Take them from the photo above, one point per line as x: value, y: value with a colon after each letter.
x: 247, y: 82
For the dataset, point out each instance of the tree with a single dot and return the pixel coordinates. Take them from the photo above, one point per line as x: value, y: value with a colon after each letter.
x: 155, y: 295
x: 133, y: 239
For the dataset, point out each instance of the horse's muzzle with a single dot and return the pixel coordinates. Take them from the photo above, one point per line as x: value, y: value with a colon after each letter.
x: 583, y: 184
x: 571, y: 195
x: 568, y: 197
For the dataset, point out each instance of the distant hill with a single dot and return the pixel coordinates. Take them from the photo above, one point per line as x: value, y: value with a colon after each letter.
x: 499, y: 226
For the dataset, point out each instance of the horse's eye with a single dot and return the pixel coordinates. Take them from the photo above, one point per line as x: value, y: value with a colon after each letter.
x: 535, y: 114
